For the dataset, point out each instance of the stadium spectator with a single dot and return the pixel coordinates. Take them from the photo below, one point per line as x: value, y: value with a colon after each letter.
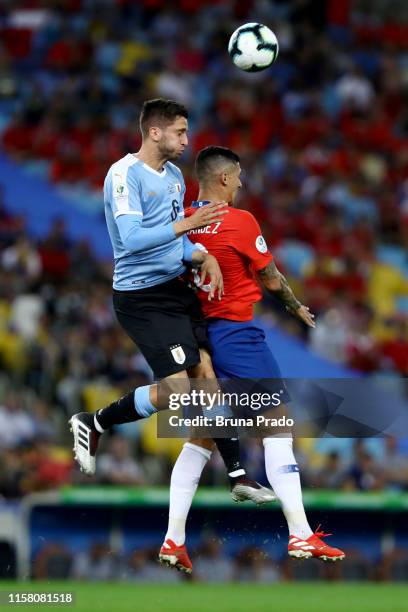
x: 364, y: 473
x: 26, y: 312
x: 96, y: 563
x: 22, y: 258
x: 331, y: 474
x: 44, y: 467
x: 211, y: 563
x: 16, y: 424
x: 395, y: 348
x: 142, y: 566
x: 52, y: 562
x: 10, y: 473
x: 117, y: 465
x: 253, y: 565
x: 395, y: 465
x: 329, y: 338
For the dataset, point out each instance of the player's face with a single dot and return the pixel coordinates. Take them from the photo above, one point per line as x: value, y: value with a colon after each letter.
x: 174, y: 139
x: 234, y: 182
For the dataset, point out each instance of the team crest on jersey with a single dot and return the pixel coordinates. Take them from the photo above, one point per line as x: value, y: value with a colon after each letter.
x: 120, y: 189
x: 261, y: 244
x: 179, y: 355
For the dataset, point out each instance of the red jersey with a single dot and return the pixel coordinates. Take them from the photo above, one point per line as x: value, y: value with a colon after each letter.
x: 241, y: 251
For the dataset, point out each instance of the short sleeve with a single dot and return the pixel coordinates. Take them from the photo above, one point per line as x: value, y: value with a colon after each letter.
x: 125, y: 194
x: 250, y: 242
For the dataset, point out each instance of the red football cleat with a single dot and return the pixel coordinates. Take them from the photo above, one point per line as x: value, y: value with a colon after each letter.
x: 175, y: 556
x: 315, y: 547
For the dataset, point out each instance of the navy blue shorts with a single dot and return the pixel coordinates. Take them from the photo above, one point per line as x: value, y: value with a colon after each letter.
x: 240, y: 350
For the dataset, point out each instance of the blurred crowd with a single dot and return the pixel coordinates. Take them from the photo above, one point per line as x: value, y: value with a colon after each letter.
x: 212, y: 564
x: 323, y: 138
x: 322, y: 135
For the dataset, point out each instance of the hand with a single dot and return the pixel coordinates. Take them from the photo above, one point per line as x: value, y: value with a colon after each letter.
x: 210, y: 213
x: 211, y: 268
x: 305, y: 315
x: 207, y: 214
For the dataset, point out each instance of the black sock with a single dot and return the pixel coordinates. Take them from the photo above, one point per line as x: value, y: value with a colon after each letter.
x: 229, y: 451
x: 121, y: 411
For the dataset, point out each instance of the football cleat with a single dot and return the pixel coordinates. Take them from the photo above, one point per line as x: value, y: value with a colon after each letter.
x: 86, y: 439
x: 244, y: 489
x: 315, y: 547
x: 175, y: 556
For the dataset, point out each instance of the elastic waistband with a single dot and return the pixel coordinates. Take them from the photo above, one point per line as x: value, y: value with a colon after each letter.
x: 167, y: 284
x: 226, y: 322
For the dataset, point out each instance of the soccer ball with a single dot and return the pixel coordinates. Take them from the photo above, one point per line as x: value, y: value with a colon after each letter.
x: 253, y: 47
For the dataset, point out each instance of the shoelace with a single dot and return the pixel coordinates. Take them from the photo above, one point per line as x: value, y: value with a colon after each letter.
x: 321, y: 534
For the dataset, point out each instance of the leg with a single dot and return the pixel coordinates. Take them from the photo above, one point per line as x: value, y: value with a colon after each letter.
x: 186, y: 475
x: 184, y: 481
x: 283, y: 475
x: 228, y: 447
x: 138, y: 404
x: 242, y: 488
x: 157, y: 320
x: 183, y: 484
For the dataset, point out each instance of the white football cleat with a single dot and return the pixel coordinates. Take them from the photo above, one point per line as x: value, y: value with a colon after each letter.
x: 86, y: 439
x: 246, y: 489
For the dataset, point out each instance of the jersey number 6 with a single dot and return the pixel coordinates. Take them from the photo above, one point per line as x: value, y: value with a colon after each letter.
x: 176, y: 209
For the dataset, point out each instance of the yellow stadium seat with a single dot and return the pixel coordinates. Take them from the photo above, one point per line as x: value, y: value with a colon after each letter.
x: 99, y: 395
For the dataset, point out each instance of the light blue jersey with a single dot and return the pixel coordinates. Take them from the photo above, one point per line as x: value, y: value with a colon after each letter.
x: 141, y: 206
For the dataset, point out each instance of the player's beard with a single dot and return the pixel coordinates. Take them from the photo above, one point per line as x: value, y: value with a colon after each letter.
x: 168, y: 152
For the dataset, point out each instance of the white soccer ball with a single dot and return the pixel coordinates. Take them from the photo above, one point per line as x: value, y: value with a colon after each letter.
x: 253, y: 47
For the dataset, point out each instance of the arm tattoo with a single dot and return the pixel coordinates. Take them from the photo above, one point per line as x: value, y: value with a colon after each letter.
x: 286, y: 295
x: 270, y: 275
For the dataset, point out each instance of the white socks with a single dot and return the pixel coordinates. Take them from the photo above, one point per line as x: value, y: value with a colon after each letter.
x: 96, y: 424
x: 281, y: 469
x: 183, y: 485
x: 283, y: 475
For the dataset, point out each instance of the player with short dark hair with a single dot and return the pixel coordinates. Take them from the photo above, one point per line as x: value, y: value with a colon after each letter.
x: 161, y: 113
x: 239, y: 350
x: 210, y: 159
x: 143, y: 194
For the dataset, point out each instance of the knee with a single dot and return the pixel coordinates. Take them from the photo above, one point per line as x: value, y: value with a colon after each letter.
x: 175, y: 384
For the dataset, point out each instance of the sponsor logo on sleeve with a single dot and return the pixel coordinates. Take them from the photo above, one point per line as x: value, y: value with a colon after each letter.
x: 261, y: 245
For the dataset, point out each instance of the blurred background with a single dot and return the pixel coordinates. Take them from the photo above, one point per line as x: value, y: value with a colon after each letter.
x: 323, y: 138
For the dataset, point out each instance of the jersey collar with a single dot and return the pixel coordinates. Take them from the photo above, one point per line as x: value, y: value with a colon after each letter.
x: 152, y: 170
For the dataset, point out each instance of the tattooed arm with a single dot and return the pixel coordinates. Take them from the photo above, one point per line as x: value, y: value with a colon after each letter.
x: 275, y: 282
